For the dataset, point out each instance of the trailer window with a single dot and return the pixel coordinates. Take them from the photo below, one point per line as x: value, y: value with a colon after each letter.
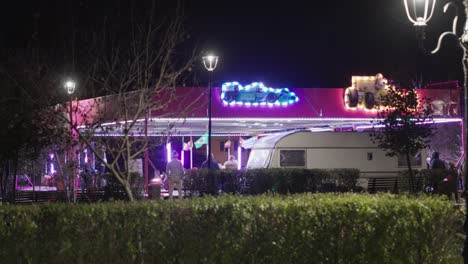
x: 415, y: 161
x: 292, y: 158
x: 258, y: 158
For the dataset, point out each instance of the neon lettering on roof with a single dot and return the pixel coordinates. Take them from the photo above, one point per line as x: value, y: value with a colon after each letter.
x: 256, y: 94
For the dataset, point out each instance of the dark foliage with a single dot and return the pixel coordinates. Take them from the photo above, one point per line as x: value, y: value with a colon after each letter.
x: 406, y: 129
x: 114, y: 190
x: 282, y: 181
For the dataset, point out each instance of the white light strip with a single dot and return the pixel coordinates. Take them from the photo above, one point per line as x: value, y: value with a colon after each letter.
x: 239, y: 157
x: 448, y: 120
x: 182, y: 157
x: 258, y: 119
x: 169, y: 151
x: 52, y: 168
x: 252, y: 119
x: 120, y: 122
x: 177, y: 135
x: 435, y: 120
x: 320, y: 129
x: 191, y: 158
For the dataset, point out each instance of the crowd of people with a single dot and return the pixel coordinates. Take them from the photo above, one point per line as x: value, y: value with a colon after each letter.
x: 446, y: 180
x: 175, y: 170
x: 230, y: 164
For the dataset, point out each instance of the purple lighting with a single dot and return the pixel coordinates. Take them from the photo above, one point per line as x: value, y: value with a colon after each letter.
x: 52, y: 168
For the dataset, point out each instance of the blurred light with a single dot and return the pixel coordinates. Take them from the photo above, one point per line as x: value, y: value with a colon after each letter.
x: 239, y: 157
x: 70, y: 86
x: 52, y: 167
x: 210, y: 62
x: 169, y: 151
x: 156, y: 180
x: 422, y: 11
x: 182, y: 157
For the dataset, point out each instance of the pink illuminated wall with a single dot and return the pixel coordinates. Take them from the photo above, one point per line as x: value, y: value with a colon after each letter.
x: 313, y: 103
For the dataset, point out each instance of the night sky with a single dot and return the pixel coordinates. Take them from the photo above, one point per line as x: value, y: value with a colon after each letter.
x: 284, y: 44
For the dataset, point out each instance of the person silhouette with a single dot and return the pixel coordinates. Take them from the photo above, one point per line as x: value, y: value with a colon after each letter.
x: 213, y: 165
x: 175, y: 174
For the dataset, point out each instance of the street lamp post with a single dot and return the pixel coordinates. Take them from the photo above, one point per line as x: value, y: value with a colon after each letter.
x: 420, y: 12
x: 210, y: 63
x: 70, y: 87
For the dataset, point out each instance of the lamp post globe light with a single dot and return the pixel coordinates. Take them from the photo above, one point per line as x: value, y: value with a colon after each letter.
x: 210, y: 62
x: 419, y: 12
x: 70, y: 86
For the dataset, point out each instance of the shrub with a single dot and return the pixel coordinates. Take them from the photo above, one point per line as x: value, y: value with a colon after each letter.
x: 115, y: 191
x: 305, y: 228
x: 275, y: 180
x: 426, y: 180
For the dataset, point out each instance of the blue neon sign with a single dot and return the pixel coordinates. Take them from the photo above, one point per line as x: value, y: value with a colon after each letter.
x: 256, y: 94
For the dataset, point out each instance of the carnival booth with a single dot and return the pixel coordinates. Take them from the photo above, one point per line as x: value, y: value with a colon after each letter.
x: 248, y: 116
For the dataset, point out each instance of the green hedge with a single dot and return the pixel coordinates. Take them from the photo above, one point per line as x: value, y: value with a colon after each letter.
x: 115, y: 191
x: 283, y: 181
x: 422, y: 180
x: 425, y: 179
x: 305, y: 228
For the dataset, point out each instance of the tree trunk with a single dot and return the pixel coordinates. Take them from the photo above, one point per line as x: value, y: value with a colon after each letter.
x: 465, y: 130
x: 2, y: 181
x: 15, y: 171
x: 59, y: 181
x: 128, y: 190
x: 33, y: 180
x: 410, y: 173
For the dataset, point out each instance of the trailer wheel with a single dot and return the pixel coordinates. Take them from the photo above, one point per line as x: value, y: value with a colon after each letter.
x: 230, y: 96
x: 369, y: 101
x: 271, y: 98
x: 352, y: 97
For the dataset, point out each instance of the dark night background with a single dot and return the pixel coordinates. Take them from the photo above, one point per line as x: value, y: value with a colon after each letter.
x: 289, y: 43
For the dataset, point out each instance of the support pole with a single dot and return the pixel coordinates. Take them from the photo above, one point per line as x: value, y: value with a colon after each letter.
x: 209, y: 121
x: 191, y: 158
x: 146, y: 168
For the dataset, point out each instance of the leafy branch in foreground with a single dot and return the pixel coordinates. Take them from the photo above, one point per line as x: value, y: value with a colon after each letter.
x: 404, y: 125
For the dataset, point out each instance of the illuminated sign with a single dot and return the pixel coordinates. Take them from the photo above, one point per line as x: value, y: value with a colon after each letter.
x: 256, y: 94
x: 365, y: 92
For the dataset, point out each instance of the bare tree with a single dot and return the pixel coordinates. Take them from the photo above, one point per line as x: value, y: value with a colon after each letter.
x: 139, y: 73
x: 133, y: 65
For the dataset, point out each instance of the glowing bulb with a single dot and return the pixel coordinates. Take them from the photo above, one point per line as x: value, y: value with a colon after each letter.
x: 70, y: 86
x: 422, y: 10
x: 210, y: 62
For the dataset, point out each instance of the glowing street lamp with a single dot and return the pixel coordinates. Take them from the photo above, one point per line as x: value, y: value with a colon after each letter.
x: 70, y: 87
x: 210, y: 62
x: 419, y: 12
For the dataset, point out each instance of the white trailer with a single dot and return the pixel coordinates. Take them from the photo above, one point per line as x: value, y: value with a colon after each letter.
x: 328, y: 150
